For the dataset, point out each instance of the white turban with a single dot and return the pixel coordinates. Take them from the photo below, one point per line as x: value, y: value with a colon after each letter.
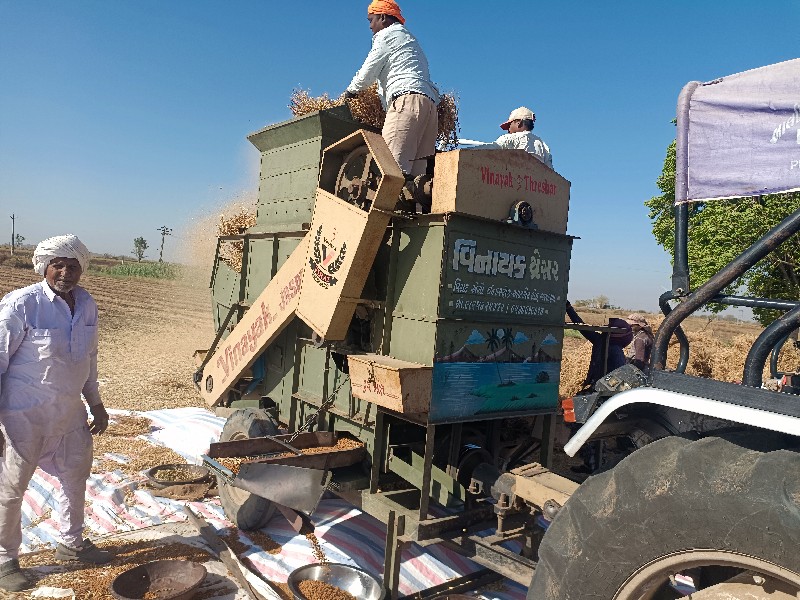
x: 63, y: 246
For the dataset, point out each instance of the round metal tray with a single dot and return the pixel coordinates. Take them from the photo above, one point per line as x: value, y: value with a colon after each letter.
x: 159, y: 580
x: 197, y: 474
x: 356, y: 581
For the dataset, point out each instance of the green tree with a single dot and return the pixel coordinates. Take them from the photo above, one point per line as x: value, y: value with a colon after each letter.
x: 721, y: 229
x: 139, y: 246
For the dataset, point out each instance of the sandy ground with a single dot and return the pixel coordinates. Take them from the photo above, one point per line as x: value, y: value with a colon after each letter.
x: 149, y: 330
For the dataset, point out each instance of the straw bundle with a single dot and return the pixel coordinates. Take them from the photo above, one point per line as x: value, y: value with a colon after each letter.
x: 237, y: 224
x: 448, y: 122
x: 366, y: 108
x: 302, y: 103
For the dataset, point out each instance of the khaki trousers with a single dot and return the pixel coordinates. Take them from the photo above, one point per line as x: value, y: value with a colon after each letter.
x: 410, y: 131
x: 68, y: 458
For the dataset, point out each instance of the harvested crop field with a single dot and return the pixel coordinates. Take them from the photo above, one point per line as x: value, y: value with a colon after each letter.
x: 149, y: 330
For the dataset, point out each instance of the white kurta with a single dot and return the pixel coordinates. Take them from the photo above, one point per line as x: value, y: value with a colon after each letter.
x: 48, y: 358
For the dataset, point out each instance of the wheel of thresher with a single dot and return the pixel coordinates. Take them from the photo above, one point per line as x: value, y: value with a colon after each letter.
x: 245, y: 510
x: 358, y: 178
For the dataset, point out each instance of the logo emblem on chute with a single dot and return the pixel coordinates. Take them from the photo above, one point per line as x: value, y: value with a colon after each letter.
x: 326, y: 260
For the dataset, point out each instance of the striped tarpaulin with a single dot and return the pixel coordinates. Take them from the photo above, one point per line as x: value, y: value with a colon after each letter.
x: 346, y: 534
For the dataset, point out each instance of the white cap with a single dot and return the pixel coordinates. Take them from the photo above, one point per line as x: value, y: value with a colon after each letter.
x: 517, y: 114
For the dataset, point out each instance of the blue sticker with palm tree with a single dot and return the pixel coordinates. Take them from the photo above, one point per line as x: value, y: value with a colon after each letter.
x: 497, y: 370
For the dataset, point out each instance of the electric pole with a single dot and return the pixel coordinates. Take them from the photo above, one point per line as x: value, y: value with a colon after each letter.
x: 13, y: 234
x: 165, y: 231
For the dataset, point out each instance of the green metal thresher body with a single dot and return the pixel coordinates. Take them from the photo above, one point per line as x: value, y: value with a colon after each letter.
x: 478, y: 301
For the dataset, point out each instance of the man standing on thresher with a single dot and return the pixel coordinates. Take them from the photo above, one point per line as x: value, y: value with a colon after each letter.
x: 48, y: 359
x: 397, y: 62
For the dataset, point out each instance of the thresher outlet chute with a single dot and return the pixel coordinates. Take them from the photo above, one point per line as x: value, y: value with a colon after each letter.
x: 345, y: 237
x: 322, y: 280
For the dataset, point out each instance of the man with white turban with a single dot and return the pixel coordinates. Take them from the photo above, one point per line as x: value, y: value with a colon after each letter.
x: 48, y: 360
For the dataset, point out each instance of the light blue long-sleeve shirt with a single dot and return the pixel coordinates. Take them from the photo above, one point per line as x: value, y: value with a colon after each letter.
x: 48, y: 358
x: 397, y: 62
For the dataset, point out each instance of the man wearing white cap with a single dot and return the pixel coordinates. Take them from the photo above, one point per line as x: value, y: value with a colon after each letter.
x: 48, y: 360
x: 520, y: 135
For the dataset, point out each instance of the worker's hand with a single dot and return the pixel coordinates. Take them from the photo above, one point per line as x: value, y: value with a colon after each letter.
x: 99, y: 419
x: 348, y: 94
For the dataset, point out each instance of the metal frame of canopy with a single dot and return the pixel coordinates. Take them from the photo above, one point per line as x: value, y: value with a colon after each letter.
x: 774, y: 336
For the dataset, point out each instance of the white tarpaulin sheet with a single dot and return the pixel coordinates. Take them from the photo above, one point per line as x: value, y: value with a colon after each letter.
x: 744, y: 134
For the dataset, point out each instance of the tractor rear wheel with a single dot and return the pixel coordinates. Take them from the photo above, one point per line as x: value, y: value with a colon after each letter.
x: 245, y: 510
x: 710, y: 512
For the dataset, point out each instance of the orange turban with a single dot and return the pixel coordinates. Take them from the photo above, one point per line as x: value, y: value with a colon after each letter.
x: 385, y: 7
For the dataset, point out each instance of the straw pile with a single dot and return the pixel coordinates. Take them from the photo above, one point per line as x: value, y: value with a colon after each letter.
x: 237, y: 224
x: 366, y: 108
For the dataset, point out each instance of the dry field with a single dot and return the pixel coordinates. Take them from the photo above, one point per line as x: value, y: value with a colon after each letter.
x: 149, y: 329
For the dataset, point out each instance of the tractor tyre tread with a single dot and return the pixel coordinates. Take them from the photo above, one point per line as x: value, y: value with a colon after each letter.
x: 669, y: 496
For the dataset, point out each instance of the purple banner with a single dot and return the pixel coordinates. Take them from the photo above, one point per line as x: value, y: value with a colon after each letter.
x: 744, y: 134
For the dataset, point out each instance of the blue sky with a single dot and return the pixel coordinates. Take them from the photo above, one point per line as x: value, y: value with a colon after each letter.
x: 117, y: 117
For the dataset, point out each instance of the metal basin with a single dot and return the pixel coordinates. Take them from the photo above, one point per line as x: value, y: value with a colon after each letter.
x: 353, y: 580
x: 195, y: 474
x: 160, y: 580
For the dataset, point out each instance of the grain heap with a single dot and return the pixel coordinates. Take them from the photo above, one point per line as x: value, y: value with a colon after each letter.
x: 175, y: 473
x: 120, y: 439
x: 258, y: 538
x: 234, y: 463
x: 366, y: 108
x: 319, y: 590
x: 128, y: 426
x: 92, y: 582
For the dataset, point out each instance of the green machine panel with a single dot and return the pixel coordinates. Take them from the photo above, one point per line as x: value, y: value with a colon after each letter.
x: 290, y: 158
x: 482, y: 302
x: 493, y: 269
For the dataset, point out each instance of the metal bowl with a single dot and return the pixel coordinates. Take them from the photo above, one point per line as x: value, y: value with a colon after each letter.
x: 353, y: 580
x: 196, y: 475
x: 159, y: 580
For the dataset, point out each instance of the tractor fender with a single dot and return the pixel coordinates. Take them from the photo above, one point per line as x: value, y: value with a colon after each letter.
x: 744, y: 415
